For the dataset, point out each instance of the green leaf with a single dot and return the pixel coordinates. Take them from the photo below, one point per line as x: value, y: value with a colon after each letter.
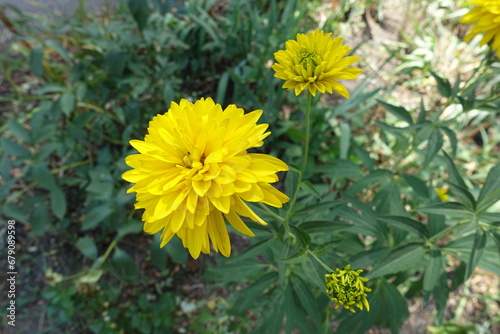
x: 417, y: 185
x: 298, y: 257
x: 316, y: 208
x: 5, y: 167
x: 115, y: 61
x: 140, y: 12
x: 435, y: 143
x: 452, y: 209
x: 374, y: 178
x: 399, y: 112
x: 477, y: 251
x: 433, y: 270
x: 176, y: 251
x: 444, y: 86
x: 39, y: 221
x: 463, y: 195
x: 490, y: 193
x: 394, y: 304
x: 12, y: 148
x: 19, y: 131
x: 44, y: 177
x: 452, y: 137
x: 320, y: 226
x: 67, y: 102
x: 95, y: 216
x: 306, y: 298
x: 291, y: 180
x: 345, y: 139
x: 158, y: 255
x: 222, y: 88
x: 406, y: 224
x: 400, y: 259
x: 253, y: 250
x: 58, y: 202
x: 36, y: 59
x: 58, y: 48
x: 453, y: 175
x: 131, y: 226
x: 124, y: 267
x: 246, y: 299
x: 87, y: 247
x: 309, y: 187
x: 302, y: 236
x: 364, y: 156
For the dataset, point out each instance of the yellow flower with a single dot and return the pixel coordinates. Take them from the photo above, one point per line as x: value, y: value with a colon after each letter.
x: 315, y: 61
x: 347, y: 288
x: 442, y: 194
x: 193, y: 170
x: 486, y: 16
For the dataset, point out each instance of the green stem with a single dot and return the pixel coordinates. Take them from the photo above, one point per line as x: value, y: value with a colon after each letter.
x: 274, y: 215
x: 330, y: 270
x: 304, y: 163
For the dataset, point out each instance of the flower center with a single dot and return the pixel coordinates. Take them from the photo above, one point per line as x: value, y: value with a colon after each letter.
x: 308, y: 58
x: 189, y: 163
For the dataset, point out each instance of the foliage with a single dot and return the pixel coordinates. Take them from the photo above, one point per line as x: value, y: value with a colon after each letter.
x: 80, y: 89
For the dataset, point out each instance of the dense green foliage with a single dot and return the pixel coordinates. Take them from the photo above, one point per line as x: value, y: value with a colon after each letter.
x: 368, y: 198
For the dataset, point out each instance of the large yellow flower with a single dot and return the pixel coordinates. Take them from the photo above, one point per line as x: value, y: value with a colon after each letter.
x: 486, y: 16
x: 315, y: 61
x: 193, y: 169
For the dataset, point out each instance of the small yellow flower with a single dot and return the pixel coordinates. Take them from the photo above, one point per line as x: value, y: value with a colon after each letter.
x: 347, y: 288
x: 486, y: 17
x: 315, y: 61
x: 194, y: 169
x: 443, y: 194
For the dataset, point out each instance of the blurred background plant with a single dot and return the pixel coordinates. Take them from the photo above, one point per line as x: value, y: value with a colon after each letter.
x: 424, y: 116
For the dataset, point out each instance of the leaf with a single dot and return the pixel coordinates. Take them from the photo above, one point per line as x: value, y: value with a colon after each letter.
x: 490, y: 193
x: 58, y: 202
x: 12, y: 148
x: 306, y: 298
x: 417, y: 185
x: 58, y: 48
x: 246, y: 298
x: 124, y: 267
x: 87, y: 247
x: 140, y: 12
x: 369, y: 257
x: 36, y: 59
x: 444, y: 86
x: 309, y: 187
x: 320, y: 226
x: 400, y: 259
x: 316, y: 208
x: 302, y: 236
x: 253, y: 250
x: 95, y: 216
x: 364, y: 156
x: 19, y: 131
x: 435, y: 143
x: 39, y: 221
x: 463, y: 195
x: 176, y: 251
x: 67, y: 102
x: 477, y: 251
x: 452, y: 137
x: 374, y: 178
x: 298, y: 257
x: 222, y: 88
x: 115, y: 61
x: 433, y: 270
x: 43, y: 176
x: 394, y: 304
x: 291, y: 180
x: 452, y: 209
x: 453, y: 175
x: 345, y: 139
x: 406, y: 224
x: 131, y: 226
x: 399, y: 112
x: 158, y: 255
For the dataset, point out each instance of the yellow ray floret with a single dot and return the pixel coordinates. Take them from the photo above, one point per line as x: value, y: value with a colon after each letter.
x: 193, y: 170
x: 486, y: 19
x: 315, y: 62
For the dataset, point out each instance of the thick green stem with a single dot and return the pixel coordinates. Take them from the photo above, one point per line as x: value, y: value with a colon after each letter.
x: 304, y: 162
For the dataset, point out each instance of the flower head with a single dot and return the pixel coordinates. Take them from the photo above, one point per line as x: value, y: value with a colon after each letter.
x: 486, y: 16
x: 347, y: 288
x: 442, y: 194
x: 315, y: 61
x: 193, y: 170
